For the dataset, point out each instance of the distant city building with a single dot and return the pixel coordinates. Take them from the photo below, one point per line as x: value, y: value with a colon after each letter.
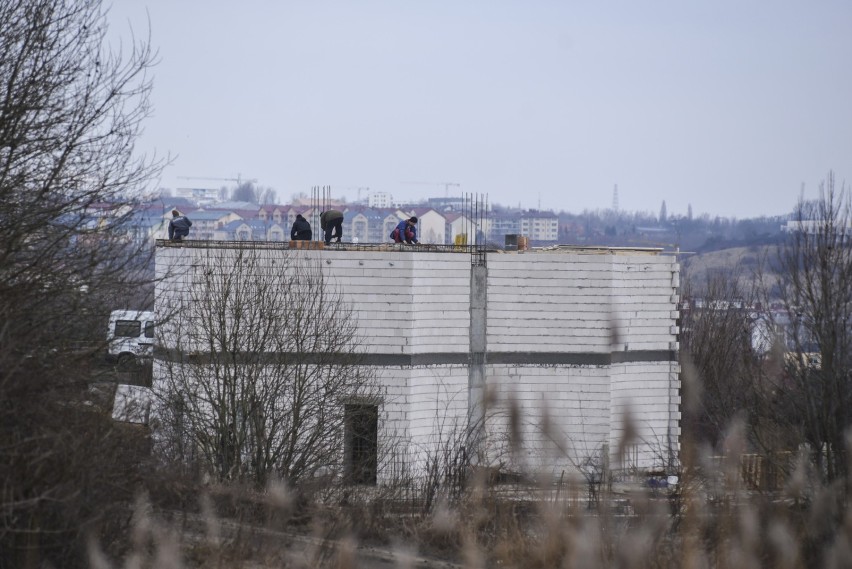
x: 245, y: 210
x: 274, y: 213
x: 201, y: 196
x: 367, y: 225
x: 503, y: 224
x: 456, y: 204
x: 810, y: 226
x: 146, y: 225
x: 380, y: 199
x: 443, y: 222
x: 540, y: 225
x: 251, y: 230
x: 206, y: 223
x: 459, y: 225
x: 431, y: 225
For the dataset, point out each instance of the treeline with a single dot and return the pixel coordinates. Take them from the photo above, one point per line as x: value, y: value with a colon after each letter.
x: 644, y: 229
x: 700, y: 234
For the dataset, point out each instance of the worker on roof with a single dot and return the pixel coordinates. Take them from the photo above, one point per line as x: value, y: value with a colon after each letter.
x: 406, y: 231
x: 331, y: 222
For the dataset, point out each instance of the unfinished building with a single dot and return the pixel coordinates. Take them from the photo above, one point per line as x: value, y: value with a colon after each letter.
x: 572, y: 352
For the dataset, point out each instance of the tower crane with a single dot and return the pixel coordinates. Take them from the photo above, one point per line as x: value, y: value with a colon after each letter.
x: 358, y: 189
x: 239, y: 180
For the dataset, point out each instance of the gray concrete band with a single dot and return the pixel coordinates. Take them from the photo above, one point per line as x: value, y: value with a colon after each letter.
x: 431, y: 359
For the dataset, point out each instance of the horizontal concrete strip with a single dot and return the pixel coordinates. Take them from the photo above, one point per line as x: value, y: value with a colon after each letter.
x: 435, y: 358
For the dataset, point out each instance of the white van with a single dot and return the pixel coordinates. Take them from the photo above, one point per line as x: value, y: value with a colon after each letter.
x: 130, y: 336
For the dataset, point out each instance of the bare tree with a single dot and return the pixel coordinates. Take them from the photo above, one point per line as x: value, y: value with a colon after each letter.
x: 70, y: 112
x: 267, y: 195
x: 716, y: 340
x: 249, y: 192
x: 816, y: 264
x: 264, y: 364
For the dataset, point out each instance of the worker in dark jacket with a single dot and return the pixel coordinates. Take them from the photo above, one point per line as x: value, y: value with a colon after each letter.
x: 406, y: 231
x: 178, y: 226
x: 301, y: 230
x: 331, y: 222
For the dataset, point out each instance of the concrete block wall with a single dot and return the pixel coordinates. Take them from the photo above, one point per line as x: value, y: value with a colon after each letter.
x: 181, y: 270
x: 437, y: 409
x: 406, y: 302
x: 592, y: 306
x: 574, y: 302
x: 547, y: 303
x: 644, y: 301
x: 647, y: 394
x: 540, y: 307
x: 563, y: 412
x: 422, y: 408
x: 379, y: 289
x: 394, y: 439
x: 418, y: 303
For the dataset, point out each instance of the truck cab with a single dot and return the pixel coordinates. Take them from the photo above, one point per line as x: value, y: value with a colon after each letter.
x: 130, y: 336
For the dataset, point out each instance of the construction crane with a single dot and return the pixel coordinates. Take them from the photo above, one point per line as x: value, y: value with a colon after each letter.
x: 359, y: 189
x: 445, y: 184
x: 239, y: 180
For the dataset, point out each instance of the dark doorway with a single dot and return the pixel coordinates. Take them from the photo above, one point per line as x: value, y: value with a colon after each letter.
x: 361, y: 423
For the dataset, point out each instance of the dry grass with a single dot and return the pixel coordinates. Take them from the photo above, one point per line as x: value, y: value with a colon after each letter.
x: 711, y: 520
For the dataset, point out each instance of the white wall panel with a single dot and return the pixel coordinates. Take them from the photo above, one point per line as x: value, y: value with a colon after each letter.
x: 414, y: 303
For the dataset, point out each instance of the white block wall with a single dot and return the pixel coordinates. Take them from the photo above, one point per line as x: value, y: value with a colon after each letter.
x: 406, y: 303
x: 575, y: 401
x: 581, y: 302
x: 647, y: 395
x: 540, y: 305
x: 421, y: 406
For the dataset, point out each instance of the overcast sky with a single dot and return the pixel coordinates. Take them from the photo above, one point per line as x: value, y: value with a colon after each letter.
x: 728, y: 105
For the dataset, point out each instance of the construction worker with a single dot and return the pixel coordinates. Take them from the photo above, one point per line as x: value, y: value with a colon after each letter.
x: 331, y: 222
x: 406, y: 231
x: 301, y: 230
x: 178, y: 226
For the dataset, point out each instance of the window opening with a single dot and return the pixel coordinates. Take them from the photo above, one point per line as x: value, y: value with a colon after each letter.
x: 361, y: 424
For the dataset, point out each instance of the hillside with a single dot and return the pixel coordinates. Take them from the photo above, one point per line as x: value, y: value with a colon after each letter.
x: 745, y: 264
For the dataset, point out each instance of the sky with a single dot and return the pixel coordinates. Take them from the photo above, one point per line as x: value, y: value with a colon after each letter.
x: 735, y: 107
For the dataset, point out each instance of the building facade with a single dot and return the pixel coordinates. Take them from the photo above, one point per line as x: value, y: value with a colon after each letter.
x: 540, y: 225
x: 574, y: 342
